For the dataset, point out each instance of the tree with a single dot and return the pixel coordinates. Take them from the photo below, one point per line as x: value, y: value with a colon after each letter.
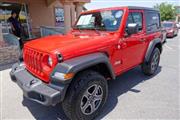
x: 167, y: 11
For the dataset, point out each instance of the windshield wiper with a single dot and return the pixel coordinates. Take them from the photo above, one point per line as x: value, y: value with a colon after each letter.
x: 79, y: 28
x: 76, y: 27
x: 92, y: 28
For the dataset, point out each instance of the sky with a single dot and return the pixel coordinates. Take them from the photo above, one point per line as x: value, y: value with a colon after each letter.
x: 95, y: 4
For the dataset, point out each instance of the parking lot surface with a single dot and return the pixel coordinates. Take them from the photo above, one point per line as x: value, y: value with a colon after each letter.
x: 131, y: 96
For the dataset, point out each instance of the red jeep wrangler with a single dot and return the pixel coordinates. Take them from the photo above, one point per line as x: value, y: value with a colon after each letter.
x: 73, y: 69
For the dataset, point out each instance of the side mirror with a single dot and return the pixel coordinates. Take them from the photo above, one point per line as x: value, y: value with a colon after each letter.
x: 132, y: 28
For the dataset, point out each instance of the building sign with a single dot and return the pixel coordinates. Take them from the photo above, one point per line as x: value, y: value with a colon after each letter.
x: 59, y: 17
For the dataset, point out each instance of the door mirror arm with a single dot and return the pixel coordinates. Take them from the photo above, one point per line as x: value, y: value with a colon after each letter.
x: 126, y: 34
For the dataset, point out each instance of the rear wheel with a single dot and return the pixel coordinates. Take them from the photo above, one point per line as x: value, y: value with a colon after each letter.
x: 150, y: 67
x: 176, y: 33
x: 86, y: 96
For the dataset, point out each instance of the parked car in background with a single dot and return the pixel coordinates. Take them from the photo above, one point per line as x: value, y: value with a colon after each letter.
x: 171, y: 28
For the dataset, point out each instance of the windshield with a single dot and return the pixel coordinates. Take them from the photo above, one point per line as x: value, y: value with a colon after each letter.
x: 167, y: 25
x: 108, y: 20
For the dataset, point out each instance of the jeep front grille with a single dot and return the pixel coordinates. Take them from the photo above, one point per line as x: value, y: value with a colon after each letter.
x: 33, y: 61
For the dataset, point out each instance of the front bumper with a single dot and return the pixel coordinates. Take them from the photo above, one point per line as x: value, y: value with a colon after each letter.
x: 170, y: 34
x: 36, y: 90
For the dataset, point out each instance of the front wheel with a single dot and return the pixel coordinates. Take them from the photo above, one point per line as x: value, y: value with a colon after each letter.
x: 150, y: 67
x: 86, y: 96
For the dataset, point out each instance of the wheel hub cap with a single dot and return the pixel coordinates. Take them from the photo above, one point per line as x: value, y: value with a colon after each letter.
x: 155, y: 61
x: 91, y: 99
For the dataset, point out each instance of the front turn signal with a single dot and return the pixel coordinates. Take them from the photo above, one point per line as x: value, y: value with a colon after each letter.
x: 68, y: 76
x: 63, y: 76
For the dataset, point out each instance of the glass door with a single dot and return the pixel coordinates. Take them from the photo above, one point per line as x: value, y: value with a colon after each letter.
x: 22, y: 11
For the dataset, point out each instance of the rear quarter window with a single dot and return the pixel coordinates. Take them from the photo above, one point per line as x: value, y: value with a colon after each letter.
x: 152, y: 21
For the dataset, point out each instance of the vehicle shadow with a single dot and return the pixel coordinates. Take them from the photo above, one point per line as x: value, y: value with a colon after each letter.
x: 124, y: 83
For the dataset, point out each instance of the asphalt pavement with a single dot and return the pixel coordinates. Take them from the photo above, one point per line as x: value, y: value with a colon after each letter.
x: 131, y: 96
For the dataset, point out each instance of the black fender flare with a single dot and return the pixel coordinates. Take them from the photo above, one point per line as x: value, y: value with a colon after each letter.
x: 80, y: 63
x: 75, y: 65
x: 151, y: 47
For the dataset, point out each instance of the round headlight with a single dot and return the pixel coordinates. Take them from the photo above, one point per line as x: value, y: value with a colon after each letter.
x: 50, y: 61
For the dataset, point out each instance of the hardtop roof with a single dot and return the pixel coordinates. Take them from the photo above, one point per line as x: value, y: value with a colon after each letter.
x: 123, y: 7
x: 142, y: 8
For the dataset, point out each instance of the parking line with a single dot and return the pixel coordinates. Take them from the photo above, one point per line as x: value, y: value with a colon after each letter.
x: 170, y: 48
x: 1, y: 114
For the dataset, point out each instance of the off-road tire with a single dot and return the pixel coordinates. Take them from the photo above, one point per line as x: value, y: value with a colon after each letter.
x: 72, y: 102
x: 147, y: 66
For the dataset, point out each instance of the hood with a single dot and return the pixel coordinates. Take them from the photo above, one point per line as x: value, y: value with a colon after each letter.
x: 72, y: 44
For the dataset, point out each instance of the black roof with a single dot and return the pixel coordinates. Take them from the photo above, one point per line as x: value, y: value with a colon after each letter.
x: 142, y: 8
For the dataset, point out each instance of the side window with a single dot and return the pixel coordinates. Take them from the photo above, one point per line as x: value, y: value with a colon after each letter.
x: 137, y: 17
x: 130, y: 19
x: 152, y: 21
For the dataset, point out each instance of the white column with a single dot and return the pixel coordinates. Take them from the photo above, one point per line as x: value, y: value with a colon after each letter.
x: 79, y: 9
x: 177, y: 18
x: 73, y: 14
x: 67, y: 16
x: 1, y: 36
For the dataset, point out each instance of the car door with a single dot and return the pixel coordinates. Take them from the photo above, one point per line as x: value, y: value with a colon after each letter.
x: 133, y: 46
